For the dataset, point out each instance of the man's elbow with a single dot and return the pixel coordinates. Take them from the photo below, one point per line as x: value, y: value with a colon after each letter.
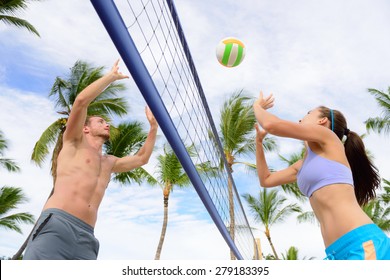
x: 81, y: 101
x: 143, y: 160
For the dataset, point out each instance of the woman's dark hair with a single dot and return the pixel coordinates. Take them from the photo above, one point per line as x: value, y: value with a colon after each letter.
x: 366, y: 178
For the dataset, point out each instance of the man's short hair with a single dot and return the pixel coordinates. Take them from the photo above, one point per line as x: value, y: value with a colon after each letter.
x: 87, y: 120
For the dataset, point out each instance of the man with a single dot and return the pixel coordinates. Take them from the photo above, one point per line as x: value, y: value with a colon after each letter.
x: 65, y: 229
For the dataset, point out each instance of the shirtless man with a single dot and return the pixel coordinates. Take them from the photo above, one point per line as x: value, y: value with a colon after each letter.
x: 65, y: 229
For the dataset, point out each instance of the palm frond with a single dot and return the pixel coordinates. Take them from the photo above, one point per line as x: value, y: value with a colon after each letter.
x: 308, y: 216
x: 137, y: 176
x: 378, y: 125
x: 11, y: 222
x: 18, y: 22
x: 237, y: 120
x: 10, y: 197
x: 109, y: 107
x: 293, y: 189
x: 47, y: 139
x: 9, y: 164
x: 129, y: 139
x: 3, y: 143
x: 59, y: 91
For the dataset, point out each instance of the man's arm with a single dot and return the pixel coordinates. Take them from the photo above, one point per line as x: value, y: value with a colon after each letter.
x: 78, y: 114
x: 128, y: 163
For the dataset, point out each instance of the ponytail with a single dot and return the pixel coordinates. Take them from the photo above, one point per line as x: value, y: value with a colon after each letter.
x: 366, y: 178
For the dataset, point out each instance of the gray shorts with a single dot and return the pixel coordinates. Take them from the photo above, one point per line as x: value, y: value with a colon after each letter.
x: 59, y: 235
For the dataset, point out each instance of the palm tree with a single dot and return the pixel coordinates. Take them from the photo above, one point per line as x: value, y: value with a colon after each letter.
x: 10, y: 198
x: 385, y: 197
x: 292, y: 188
x: 378, y: 210
x: 125, y: 140
x: 292, y: 254
x: 238, y: 139
x: 268, y: 209
x: 170, y: 173
x: 380, y: 124
x: 8, y: 9
x: 7, y: 163
x: 64, y: 92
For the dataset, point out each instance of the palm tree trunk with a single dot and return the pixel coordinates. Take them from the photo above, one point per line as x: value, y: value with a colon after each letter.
x: 231, y: 214
x: 165, y: 225
x: 268, y: 234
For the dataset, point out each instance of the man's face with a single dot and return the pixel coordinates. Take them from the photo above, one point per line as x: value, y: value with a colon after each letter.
x: 99, y: 127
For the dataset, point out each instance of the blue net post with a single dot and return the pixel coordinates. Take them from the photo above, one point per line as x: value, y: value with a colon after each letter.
x: 113, y: 22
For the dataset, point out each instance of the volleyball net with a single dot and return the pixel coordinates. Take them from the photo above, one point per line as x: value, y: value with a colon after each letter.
x: 149, y: 37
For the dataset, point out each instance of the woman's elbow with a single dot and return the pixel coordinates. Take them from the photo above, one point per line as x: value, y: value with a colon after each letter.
x: 270, y: 127
x: 264, y: 183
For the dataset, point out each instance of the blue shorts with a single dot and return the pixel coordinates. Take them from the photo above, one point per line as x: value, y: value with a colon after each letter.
x: 59, y: 235
x: 367, y: 242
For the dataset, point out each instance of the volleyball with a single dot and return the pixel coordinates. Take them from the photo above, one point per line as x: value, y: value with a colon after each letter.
x: 230, y: 52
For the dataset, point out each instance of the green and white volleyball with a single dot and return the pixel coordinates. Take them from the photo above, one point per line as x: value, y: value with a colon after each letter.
x: 230, y: 52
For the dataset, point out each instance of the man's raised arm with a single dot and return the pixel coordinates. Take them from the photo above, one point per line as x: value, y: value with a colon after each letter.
x: 78, y: 114
x: 143, y: 155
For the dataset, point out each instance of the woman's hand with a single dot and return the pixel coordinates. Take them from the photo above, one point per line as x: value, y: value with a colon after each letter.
x: 264, y: 103
x: 260, y: 134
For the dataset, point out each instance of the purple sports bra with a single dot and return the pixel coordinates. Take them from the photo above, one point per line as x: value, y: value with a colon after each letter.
x: 317, y: 172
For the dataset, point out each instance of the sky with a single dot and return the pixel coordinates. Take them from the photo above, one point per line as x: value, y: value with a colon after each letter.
x: 307, y: 53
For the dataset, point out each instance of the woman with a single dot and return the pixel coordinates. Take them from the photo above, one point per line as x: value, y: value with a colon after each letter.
x: 338, y: 178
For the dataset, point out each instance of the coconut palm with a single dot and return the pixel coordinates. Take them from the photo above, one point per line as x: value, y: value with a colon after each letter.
x: 10, y: 198
x: 237, y: 136
x: 125, y: 140
x: 7, y: 163
x: 169, y: 174
x: 385, y: 197
x: 378, y: 209
x: 8, y: 10
x: 64, y: 91
x: 380, y: 124
x: 292, y: 254
x: 268, y: 209
x: 292, y: 188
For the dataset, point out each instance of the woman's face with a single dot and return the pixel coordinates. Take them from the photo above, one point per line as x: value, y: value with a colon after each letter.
x: 312, y: 117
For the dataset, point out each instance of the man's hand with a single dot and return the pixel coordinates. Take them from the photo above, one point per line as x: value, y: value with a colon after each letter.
x: 116, y: 75
x: 152, y: 120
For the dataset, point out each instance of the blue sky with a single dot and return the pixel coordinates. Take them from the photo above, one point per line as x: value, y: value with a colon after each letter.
x: 307, y: 53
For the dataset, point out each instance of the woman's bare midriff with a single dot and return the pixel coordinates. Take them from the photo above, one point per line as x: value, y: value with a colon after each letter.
x: 337, y: 210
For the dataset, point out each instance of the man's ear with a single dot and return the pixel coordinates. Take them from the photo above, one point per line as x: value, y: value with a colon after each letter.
x: 85, y: 129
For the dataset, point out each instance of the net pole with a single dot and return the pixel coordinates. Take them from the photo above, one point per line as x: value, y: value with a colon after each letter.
x: 113, y: 22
